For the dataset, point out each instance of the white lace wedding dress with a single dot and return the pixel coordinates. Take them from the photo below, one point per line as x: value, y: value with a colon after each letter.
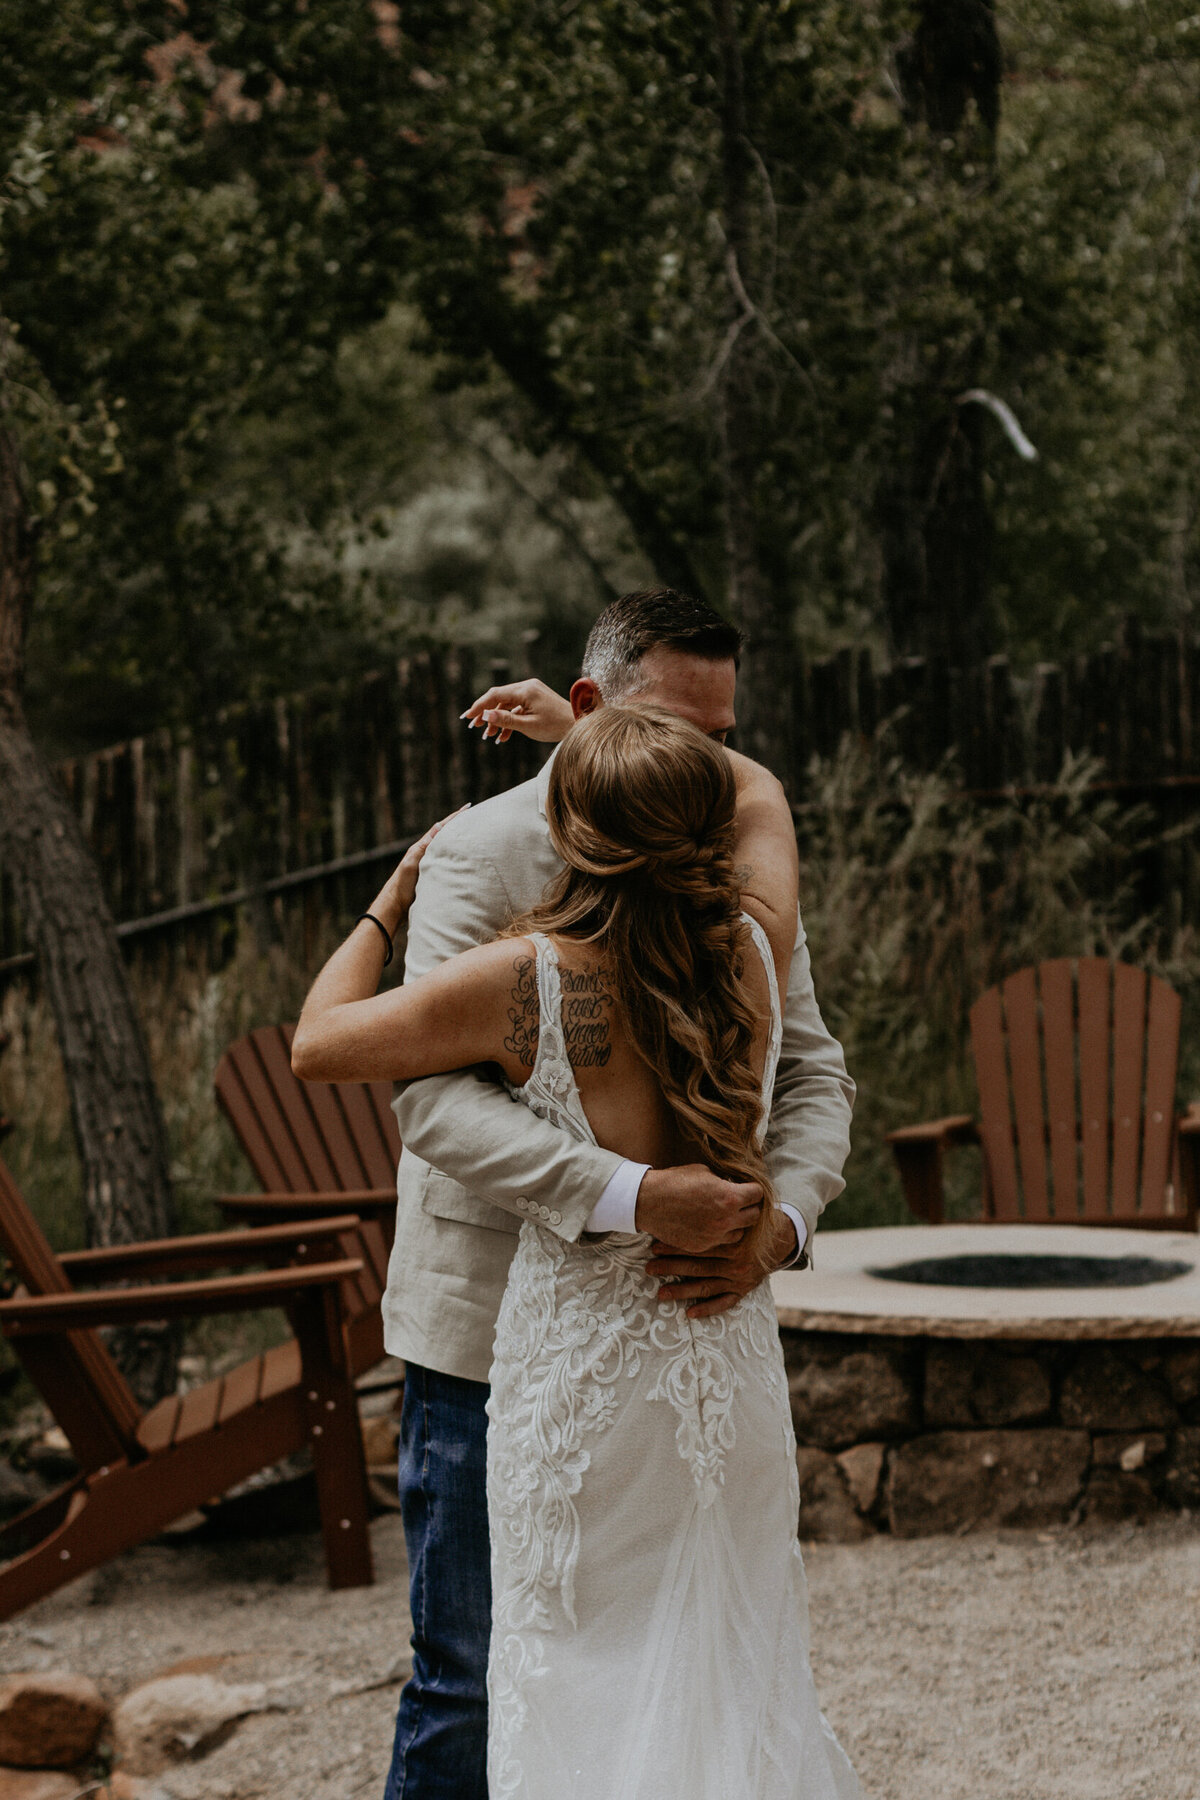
x: 650, y: 1620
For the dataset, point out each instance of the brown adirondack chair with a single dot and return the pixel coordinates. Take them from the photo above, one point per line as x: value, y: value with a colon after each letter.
x: 317, y: 1147
x: 140, y: 1470
x: 1076, y: 1065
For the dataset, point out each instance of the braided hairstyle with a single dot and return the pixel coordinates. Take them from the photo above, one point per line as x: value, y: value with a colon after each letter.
x: 642, y: 809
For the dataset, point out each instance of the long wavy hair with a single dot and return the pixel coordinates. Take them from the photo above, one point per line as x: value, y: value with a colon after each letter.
x: 641, y: 808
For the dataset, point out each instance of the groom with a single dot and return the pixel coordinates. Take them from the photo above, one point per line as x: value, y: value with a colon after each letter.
x: 476, y: 1163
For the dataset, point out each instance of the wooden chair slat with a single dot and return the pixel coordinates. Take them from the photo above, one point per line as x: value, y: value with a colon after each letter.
x: 280, y: 1370
x: 1095, y: 1037
x: 1162, y: 1057
x: 326, y: 1103
x: 1128, y: 1050
x: 241, y: 1389
x: 240, y: 1089
x: 261, y: 1061
x: 157, y: 1429
x: 199, y: 1410
x: 362, y: 1139
x: 294, y: 1106
x: 323, y: 1136
x: 1056, y: 982
x: 1025, y: 1063
x: 991, y: 1071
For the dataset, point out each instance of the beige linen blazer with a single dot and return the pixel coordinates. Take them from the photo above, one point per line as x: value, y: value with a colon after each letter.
x: 476, y: 1163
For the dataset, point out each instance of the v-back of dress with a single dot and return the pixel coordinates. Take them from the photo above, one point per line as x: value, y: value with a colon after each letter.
x: 649, y: 1606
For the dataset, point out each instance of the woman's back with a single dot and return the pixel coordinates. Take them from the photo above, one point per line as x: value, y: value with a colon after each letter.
x: 621, y: 1094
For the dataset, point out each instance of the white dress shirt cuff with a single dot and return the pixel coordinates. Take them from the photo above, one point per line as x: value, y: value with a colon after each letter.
x: 616, y: 1208
x: 796, y: 1218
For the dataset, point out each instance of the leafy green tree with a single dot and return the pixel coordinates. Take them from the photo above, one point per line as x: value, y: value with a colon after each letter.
x: 733, y: 266
x: 111, y: 376
x: 744, y: 262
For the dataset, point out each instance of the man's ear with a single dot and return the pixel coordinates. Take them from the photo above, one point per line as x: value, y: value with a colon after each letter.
x: 585, y: 696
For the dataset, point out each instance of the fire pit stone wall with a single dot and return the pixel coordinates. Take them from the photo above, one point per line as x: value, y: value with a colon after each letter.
x: 917, y: 1435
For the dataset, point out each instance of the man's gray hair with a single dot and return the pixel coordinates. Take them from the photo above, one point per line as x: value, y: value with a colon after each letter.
x: 638, y: 622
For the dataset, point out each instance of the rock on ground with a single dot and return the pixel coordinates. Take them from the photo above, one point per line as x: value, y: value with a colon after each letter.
x: 1004, y: 1665
x: 37, y: 1784
x: 49, y: 1720
x: 180, y: 1715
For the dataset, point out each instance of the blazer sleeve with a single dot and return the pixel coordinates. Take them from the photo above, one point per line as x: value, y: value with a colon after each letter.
x: 808, y: 1138
x: 466, y: 1124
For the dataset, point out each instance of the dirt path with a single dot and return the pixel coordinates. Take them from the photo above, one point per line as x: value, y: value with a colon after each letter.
x: 1005, y: 1667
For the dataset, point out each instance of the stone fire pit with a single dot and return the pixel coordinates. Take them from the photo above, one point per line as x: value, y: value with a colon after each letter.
x: 949, y: 1377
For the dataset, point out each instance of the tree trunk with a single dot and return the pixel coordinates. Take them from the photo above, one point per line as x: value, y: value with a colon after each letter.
x: 936, y: 537
x: 765, y: 703
x: 114, y: 1108
x: 934, y: 522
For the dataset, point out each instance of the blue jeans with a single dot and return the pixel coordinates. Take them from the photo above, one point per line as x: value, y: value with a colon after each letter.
x: 440, y: 1751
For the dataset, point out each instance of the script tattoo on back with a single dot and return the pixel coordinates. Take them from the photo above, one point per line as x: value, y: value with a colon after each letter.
x: 587, y: 1003
x: 522, y: 1040
x: 586, y: 1009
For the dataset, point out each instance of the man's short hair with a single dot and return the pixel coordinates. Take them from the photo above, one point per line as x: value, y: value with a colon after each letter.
x: 638, y: 622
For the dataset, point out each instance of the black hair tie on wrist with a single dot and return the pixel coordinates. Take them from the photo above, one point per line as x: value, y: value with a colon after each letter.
x: 387, y: 936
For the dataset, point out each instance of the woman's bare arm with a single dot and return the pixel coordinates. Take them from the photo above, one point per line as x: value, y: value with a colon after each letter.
x: 480, y: 1006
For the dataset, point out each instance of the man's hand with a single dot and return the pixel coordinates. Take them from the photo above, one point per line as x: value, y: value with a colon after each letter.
x: 717, y: 1281
x: 529, y: 707
x: 694, y: 1210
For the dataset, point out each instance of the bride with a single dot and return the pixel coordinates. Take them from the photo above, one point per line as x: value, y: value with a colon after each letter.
x: 649, y: 1615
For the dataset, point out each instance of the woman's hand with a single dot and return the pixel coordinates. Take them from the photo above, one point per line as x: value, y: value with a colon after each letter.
x: 529, y: 707
x: 395, y: 897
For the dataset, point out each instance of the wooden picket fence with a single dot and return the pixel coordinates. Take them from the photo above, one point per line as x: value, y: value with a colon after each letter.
x: 1134, y: 706
x: 296, y: 798
x: 303, y: 796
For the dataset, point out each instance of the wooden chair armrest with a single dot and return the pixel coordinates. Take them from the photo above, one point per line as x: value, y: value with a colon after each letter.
x: 955, y: 1128
x: 919, y: 1151
x: 368, y: 1202
x: 1189, y: 1165
x: 36, y: 1314
x: 208, y: 1250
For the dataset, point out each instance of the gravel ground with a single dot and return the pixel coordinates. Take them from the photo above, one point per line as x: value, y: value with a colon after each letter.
x: 1061, y: 1666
